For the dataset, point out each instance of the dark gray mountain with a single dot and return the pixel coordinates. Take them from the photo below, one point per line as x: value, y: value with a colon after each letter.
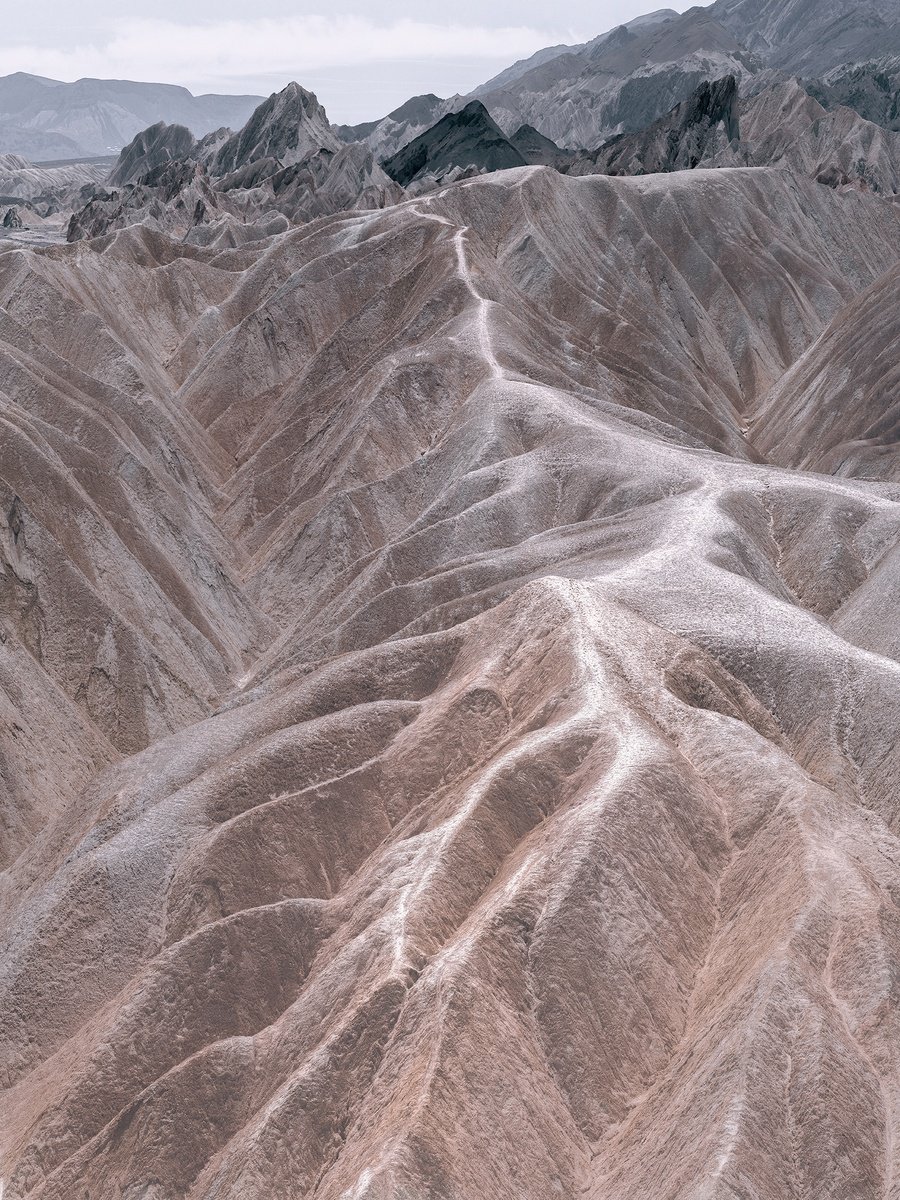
x: 43, y: 118
x: 679, y: 141
x: 621, y: 82
x: 779, y: 126
x: 288, y: 127
x: 151, y: 148
x: 871, y: 89
x: 538, y: 150
x: 571, y: 94
x: 810, y: 37
x: 624, y: 80
x: 467, y: 139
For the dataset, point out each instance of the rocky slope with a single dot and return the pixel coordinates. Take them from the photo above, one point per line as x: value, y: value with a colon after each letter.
x: 810, y: 37
x: 621, y: 83
x: 448, y: 730
x: 389, y: 135
x: 152, y: 149
x: 285, y: 165
x: 779, y: 126
x: 466, y: 140
x: 624, y: 80
x: 872, y: 89
x: 287, y: 127
x: 698, y: 129
x: 398, y: 128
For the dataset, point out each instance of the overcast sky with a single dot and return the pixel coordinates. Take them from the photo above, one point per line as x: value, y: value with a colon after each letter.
x: 363, y: 58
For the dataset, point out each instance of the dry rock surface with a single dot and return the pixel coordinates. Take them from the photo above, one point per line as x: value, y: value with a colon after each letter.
x: 286, y: 165
x: 449, y: 683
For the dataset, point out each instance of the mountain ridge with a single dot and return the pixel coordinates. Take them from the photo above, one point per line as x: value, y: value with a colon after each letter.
x: 97, y: 116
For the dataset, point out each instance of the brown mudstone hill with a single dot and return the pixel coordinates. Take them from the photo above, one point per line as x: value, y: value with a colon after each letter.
x: 449, y: 684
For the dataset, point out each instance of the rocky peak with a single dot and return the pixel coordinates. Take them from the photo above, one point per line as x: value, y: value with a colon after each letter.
x: 150, y: 149
x: 468, y: 138
x: 289, y: 126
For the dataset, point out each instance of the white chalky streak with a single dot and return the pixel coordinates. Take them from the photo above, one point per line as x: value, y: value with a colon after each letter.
x: 484, y: 334
x: 359, y: 1188
x: 730, y: 1131
x: 434, y: 844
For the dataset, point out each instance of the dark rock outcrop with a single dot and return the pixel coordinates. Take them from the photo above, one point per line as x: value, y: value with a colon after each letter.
x: 679, y: 141
x: 467, y: 139
x: 781, y: 126
x: 536, y: 149
x: 871, y: 89
x: 621, y: 82
x: 152, y: 148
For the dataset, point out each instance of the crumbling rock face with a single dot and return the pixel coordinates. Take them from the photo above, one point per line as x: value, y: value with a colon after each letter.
x: 779, y: 125
x: 288, y: 127
x: 872, y: 89
x: 448, y: 735
x: 620, y: 83
x: 151, y: 149
x: 696, y: 130
x: 285, y: 162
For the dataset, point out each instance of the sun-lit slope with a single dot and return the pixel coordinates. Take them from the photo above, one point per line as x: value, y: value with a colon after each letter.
x: 549, y: 847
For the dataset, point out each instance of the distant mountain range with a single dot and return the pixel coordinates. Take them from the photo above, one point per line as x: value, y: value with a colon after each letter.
x: 623, y: 80
x: 810, y: 37
x: 577, y: 95
x: 43, y: 119
x: 712, y: 87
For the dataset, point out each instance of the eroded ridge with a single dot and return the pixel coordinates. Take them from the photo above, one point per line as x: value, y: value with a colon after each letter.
x: 448, y: 747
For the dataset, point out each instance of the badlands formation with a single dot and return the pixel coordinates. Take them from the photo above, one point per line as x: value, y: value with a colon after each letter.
x: 449, y: 685
x: 450, y: 688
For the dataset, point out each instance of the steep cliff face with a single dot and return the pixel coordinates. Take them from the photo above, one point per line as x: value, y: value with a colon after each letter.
x: 150, y: 149
x: 621, y: 83
x: 781, y: 125
x: 696, y: 131
x: 871, y: 89
x: 289, y: 126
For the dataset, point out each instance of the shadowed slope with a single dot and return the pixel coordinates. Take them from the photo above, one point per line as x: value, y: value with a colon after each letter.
x: 836, y: 410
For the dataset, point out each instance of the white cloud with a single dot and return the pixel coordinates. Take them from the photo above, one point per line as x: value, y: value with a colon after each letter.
x: 170, y: 52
